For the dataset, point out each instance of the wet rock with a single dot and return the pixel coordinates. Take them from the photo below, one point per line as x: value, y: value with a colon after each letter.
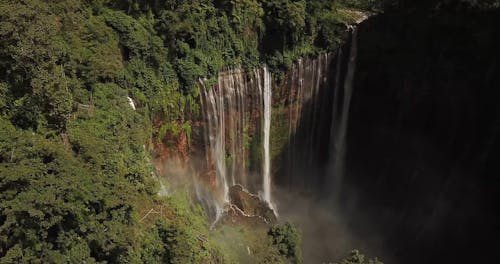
x: 248, y: 208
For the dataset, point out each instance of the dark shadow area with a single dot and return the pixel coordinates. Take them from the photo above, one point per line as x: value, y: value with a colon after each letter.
x: 305, y: 190
x: 423, y: 140
x: 301, y: 165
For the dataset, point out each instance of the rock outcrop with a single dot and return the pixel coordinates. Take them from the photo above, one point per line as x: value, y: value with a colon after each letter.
x: 248, y: 208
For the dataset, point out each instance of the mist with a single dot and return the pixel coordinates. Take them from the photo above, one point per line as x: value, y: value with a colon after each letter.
x: 328, y: 233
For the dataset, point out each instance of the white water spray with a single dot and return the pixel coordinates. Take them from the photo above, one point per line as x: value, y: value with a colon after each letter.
x: 267, y: 131
x: 131, y: 103
x: 216, y: 144
x: 339, y: 126
x: 240, y: 102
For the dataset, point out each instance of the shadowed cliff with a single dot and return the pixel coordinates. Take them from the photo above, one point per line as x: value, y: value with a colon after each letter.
x: 423, y: 137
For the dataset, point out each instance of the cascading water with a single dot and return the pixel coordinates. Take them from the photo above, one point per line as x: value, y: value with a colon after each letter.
x: 308, y: 98
x: 237, y: 113
x: 267, y: 131
x: 214, y: 116
x: 315, y: 101
x: 338, y: 131
x: 318, y: 94
x: 131, y: 103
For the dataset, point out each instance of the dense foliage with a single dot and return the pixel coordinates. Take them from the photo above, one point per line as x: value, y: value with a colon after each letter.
x: 286, y: 238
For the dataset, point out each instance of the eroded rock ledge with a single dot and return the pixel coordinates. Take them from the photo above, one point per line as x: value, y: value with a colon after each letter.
x: 248, y: 208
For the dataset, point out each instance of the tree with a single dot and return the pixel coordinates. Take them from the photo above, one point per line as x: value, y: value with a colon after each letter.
x: 287, y: 240
x: 357, y: 258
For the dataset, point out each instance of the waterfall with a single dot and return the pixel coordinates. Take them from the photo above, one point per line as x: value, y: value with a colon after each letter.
x: 338, y: 131
x: 214, y: 115
x: 313, y: 102
x: 315, y: 99
x: 237, y: 115
x: 267, y: 131
x: 308, y: 96
x: 131, y: 103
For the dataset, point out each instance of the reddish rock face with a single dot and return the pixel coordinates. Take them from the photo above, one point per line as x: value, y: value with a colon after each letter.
x: 170, y: 149
x: 226, y: 143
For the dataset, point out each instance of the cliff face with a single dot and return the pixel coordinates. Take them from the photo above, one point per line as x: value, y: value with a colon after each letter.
x: 399, y: 126
x: 423, y: 137
x: 298, y: 113
x: 259, y: 133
